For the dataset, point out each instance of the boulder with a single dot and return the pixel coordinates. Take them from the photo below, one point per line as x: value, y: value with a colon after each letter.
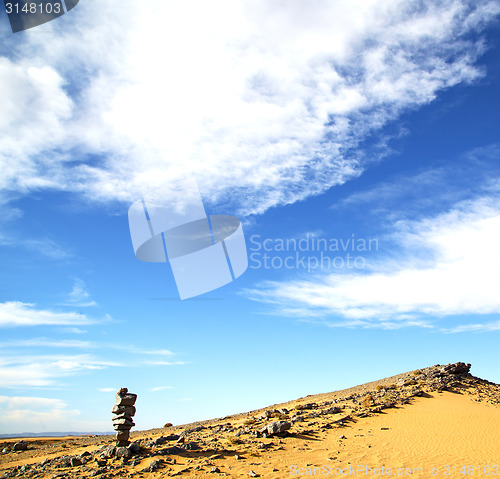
x: 274, y: 428
x: 134, y: 448
x: 123, y: 452
x: 20, y: 446
x: 108, y: 451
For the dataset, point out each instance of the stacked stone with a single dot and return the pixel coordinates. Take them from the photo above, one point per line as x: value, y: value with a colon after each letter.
x: 123, y: 411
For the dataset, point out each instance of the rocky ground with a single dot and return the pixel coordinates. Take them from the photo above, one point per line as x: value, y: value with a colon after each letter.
x: 239, y: 445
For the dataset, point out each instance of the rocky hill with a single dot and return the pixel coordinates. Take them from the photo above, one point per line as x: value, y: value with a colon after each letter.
x: 245, y: 444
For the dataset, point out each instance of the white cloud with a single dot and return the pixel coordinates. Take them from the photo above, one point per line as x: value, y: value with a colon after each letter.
x: 39, y: 403
x: 449, y: 265
x: 44, y: 246
x: 16, y: 313
x: 108, y: 390
x: 160, y: 388
x: 28, y: 370
x: 74, y: 330
x: 79, y: 296
x: 48, y: 343
x: 142, y: 351
x: 164, y: 363
x: 34, y: 414
x: 262, y: 101
x: 475, y: 328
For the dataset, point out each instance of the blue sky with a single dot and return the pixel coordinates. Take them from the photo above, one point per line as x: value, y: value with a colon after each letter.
x: 332, y: 121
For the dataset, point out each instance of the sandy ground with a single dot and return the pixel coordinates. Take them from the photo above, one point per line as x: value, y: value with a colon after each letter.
x: 438, y: 434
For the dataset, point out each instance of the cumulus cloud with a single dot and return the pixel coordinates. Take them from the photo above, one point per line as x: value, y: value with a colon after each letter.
x: 263, y: 102
x: 446, y: 265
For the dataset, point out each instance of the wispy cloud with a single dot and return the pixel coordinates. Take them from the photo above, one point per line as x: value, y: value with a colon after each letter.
x: 446, y: 265
x: 441, y: 187
x: 271, y: 106
x: 141, y: 351
x: 164, y: 363
x: 74, y: 330
x: 19, y: 414
x: 45, y: 246
x: 46, y: 370
x: 161, y: 388
x: 47, y: 343
x: 474, y: 328
x: 107, y: 390
x: 16, y: 313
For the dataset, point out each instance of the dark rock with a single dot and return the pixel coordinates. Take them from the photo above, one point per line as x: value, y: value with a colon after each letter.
x: 191, y: 430
x: 153, y: 466
x: 108, y: 451
x: 267, y: 414
x: 253, y: 474
x: 312, y: 405
x: 134, y: 448
x: 130, y: 410
x: 122, y: 427
x: 98, y: 472
x: 332, y: 410
x: 456, y: 368
x: 122, y: 435
x: 20, y: 446
x: 75, y: 461
x: 173, y: 450
x: 158, y: 441
x: 214, y: 470
x: 125, y: 399
x: 124, y: 452
x: 190, y: 446
x: 119, y: 421
x: 126, y: 416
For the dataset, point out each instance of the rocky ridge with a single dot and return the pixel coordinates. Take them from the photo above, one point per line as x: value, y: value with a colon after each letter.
x: 202, y: 448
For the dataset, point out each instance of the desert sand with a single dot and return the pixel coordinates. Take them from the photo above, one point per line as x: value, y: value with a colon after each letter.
x: 435, y: 422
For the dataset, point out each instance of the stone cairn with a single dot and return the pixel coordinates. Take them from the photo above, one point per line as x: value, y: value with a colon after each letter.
x: 123, y: 411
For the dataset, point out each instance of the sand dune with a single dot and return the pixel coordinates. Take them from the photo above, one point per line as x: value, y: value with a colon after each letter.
x: 436, y: 422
